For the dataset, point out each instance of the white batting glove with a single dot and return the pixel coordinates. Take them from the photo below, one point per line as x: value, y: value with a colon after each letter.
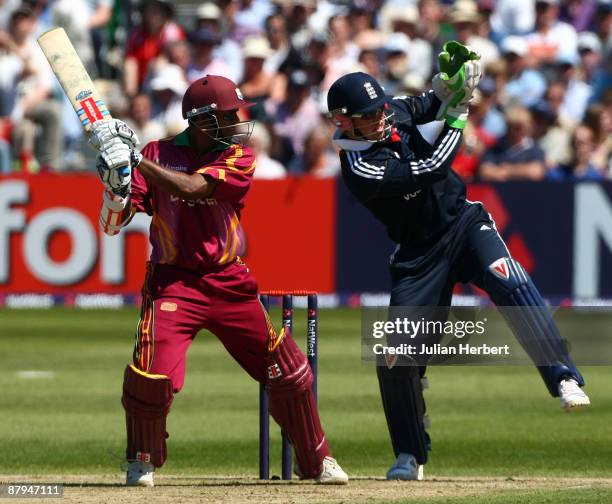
x: 118, y: 181
x: 104, y: 131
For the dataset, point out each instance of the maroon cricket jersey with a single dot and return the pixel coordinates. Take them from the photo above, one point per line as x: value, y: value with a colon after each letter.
x: 199, y: 234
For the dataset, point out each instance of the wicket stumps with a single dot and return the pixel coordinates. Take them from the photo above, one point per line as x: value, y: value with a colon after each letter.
x: 312, y: 336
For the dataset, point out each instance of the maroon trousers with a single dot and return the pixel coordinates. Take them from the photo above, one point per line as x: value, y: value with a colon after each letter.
x: 178, y: 303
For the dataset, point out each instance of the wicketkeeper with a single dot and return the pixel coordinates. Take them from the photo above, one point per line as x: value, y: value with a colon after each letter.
x: 194, y: 186
x: 441, y: 237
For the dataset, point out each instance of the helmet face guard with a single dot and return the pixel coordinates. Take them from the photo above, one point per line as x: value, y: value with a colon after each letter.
x: 346, y: 123
x: 205, y: 120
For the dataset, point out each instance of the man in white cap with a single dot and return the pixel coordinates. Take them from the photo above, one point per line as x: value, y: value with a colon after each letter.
x: 525, y: 85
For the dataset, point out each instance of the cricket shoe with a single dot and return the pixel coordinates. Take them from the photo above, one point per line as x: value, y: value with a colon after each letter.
x: 571, y: 395
x: 331, y: 473
x: 139, y: 474
x: 406, y: 468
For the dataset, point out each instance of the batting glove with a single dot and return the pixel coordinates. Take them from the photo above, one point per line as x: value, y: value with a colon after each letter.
x: 117, y: 181
x: 104, y: 131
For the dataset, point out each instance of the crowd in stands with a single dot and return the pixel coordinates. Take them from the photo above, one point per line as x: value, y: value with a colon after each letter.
x: 543, y: 110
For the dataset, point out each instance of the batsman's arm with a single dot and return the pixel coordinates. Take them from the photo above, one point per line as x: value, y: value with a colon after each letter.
x: 116, y: 212
x: 185, y: 186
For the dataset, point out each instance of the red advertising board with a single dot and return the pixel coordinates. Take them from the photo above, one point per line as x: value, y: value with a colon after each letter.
x: 50, y: 241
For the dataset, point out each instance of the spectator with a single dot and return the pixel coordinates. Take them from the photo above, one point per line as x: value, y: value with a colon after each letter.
x: 257, y: 82
x: 259, y: 141
x: 578, y: 13
x: 318, y: 158
x: 178, y: 53
x: 296, y: 14
x: 276, y: 32
x: 228, y: 50
x: 555, y: 97
x: 465, y: 20
x: 598, y: 117
x: 516, y: 156
x: 251, y: 17
x: 69, y: 14
x: 203, y: 59
x: 405, y: 19
x: 100, y: 14
x: 493, y: 122
x: 168, y: 86
x: 141, y: 120
x: 580, y: 166
x: 397, y: 50
x: 295, y: 117
x: 525, y: 85
x: 577, y: 92
x: 26, y: 85
x: 551, y: 37
x: 147, y: 41
x: 476, y: 140
x: 589, y: 49
x: 431, y: 15
x: 549, y: 136
x: 512, y: 17
x: 343, y: 49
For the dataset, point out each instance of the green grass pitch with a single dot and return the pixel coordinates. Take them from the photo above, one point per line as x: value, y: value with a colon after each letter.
x: 486, y: 421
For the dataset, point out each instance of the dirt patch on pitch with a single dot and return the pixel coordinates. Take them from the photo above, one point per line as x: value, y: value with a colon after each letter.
x: 108, y: 489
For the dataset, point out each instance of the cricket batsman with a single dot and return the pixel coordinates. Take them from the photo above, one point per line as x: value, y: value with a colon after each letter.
x: 441, y: 237
x: 194, y: 185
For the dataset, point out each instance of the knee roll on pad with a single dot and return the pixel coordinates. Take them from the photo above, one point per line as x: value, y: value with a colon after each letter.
x: 401, y: 391
x: 146, y: 399
x: 292, y: 404
x: 522, y: 306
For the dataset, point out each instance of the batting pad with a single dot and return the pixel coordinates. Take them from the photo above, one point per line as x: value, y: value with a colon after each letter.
x: 526, y: 313
x: 146, y: 399
x: 292, y: 404
x: 401, y: 391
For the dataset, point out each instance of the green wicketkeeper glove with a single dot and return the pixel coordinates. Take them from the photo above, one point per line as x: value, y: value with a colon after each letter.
x: 460, y: 72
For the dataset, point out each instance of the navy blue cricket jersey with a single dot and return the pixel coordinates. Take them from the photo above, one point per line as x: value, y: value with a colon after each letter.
x: 405, y: 181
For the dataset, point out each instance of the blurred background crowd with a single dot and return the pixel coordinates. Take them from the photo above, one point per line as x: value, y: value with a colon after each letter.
x: 543, y: 111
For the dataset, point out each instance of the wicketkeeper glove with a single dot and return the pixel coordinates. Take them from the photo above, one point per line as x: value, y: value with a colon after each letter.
x: 460, y: 73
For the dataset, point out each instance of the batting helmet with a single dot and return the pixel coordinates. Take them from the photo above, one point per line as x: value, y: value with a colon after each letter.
x: 209, y: 95
x: 359, y: 95
x: 356, y: 93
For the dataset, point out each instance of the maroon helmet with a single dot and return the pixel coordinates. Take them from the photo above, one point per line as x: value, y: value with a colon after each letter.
x: 207, y: 99
x: 211, y: 93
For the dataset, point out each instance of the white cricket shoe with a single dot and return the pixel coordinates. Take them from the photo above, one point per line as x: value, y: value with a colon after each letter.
x: 139, y: 474
x: 571, y: 395
x: 405, y: 468
x: 332, y: 473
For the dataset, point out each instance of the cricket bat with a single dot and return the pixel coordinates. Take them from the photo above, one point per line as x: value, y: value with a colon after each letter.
x: 71, y: 74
